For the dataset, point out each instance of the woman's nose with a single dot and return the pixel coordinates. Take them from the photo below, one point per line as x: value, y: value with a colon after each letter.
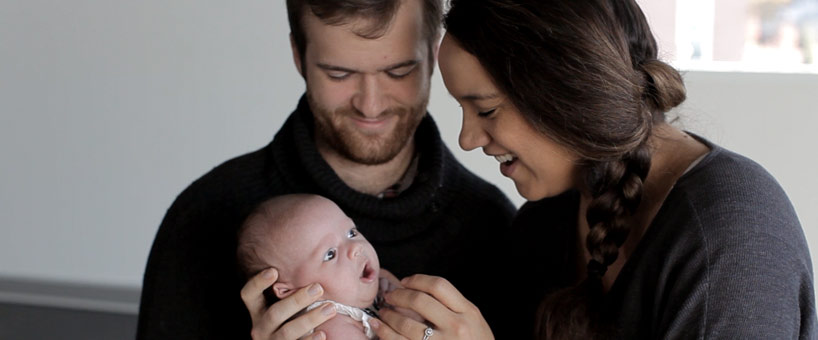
x: 472, y: 134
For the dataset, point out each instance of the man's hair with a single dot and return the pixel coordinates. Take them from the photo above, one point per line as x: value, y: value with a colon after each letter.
x: 381, y: 14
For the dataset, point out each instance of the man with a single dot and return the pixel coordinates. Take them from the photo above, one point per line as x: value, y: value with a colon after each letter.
x: 361, y: 137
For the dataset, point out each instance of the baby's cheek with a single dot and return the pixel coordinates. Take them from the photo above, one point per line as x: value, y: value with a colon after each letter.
x: 338, y: 288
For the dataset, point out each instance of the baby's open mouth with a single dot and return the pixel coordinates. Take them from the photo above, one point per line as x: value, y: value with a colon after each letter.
x: 368, y: 274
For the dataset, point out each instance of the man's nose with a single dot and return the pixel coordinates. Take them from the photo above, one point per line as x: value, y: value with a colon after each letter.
x: 370, y: 99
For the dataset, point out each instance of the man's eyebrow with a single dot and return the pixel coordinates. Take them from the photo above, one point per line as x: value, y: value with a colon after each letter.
x: 412, y: 62
x: 329, y: 67
x: 334, y: 68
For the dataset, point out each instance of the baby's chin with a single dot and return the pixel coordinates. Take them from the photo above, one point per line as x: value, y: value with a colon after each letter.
x: 369, y: 289
x: 371, y: 294
x: 363, y: 298
x: 367, y: 292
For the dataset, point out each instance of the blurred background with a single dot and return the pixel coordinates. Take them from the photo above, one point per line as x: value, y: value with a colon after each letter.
x: 109, y: 109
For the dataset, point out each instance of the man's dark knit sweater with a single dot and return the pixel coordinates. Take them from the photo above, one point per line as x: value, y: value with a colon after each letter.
x: 443, y: 224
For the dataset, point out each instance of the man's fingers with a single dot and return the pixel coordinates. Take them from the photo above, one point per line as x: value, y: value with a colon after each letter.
x: 282, y: 310
x: 253, y: 292
x: 303, y: 324
x: 318, y: 335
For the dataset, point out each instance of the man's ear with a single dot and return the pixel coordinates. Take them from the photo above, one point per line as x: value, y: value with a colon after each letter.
x: 434, y: 54
x: 283, y: 289
x: 296, y: 56
x: 436, y: 47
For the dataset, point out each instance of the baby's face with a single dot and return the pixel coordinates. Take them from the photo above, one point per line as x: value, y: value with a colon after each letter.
x: 321, y: 244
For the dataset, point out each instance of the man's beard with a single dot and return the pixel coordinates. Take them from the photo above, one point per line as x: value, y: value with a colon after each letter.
x: 332, y: 128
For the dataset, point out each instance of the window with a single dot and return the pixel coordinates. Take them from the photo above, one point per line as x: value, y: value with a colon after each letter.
x: 737, y: 35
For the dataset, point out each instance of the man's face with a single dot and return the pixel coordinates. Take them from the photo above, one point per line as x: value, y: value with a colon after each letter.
x: 319, y: 243
x: 368, y: 95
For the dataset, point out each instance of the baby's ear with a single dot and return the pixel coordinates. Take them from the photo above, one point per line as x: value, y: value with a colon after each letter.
x: 283, y: 289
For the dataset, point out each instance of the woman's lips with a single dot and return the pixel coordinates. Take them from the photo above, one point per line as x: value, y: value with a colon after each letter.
x: 507, y: 163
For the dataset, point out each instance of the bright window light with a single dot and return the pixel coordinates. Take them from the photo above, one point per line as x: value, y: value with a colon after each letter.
x: 737, y: 35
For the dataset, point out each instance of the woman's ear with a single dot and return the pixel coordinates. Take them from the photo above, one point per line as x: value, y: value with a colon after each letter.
x: 282, y: 289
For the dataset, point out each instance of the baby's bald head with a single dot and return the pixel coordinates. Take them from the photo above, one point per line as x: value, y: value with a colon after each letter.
x: 308, y: 239
x: 274, y: 216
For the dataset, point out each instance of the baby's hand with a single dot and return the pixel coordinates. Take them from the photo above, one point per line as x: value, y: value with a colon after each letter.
x: 391, y: 278
x: 389, y: 282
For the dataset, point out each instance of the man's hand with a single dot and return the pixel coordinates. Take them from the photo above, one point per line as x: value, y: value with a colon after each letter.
x: 269, y: 323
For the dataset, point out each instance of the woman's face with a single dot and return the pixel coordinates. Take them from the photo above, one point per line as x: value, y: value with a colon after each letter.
x: 538, y: 166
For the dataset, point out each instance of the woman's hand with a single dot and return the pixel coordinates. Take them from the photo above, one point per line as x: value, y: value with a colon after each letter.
x: 268, y: 323
x: 447, y: 312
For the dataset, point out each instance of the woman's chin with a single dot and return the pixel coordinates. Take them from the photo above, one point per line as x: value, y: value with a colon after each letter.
x: 529, y: 194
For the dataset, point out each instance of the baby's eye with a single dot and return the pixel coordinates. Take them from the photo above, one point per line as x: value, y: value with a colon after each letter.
x: 330, y: 254
x: 352, y: 233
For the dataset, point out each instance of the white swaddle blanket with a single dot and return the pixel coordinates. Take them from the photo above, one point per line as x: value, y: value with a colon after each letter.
x: 355, y: 313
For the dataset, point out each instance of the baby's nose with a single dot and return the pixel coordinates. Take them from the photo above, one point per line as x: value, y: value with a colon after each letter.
x: 355, y: 251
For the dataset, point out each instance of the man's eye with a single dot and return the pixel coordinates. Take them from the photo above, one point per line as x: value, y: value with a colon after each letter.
x: 330, y: 254
x: 352, y: 233
x: 337, y: 75
x: 400, y: 72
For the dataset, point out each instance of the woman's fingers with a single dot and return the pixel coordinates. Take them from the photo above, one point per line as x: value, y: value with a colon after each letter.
x: 441, y: 289
x: 303, y: 324
x: 396, y: 326
x: 422, y: 303
x: 451, y: 315
x: 253, y: 292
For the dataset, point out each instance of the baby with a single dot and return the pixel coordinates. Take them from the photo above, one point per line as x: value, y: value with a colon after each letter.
x: 308, y: 239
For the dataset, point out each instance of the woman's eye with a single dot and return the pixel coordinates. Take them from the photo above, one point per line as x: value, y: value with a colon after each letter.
x: 330, y: 254
x: 352, y: 233
x: 486, y: 113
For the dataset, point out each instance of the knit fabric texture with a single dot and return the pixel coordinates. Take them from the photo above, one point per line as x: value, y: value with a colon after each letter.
x: 724, y: 258
x: 441, y: 225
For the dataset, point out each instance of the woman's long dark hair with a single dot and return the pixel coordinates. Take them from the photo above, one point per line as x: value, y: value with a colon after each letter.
x: 585, y: 74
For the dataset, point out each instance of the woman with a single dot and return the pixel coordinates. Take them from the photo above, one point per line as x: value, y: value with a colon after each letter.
x: 647, y: 231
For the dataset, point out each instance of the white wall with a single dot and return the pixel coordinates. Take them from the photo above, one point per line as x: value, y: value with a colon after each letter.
x: 108, y: 109
x: 770, y: 118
